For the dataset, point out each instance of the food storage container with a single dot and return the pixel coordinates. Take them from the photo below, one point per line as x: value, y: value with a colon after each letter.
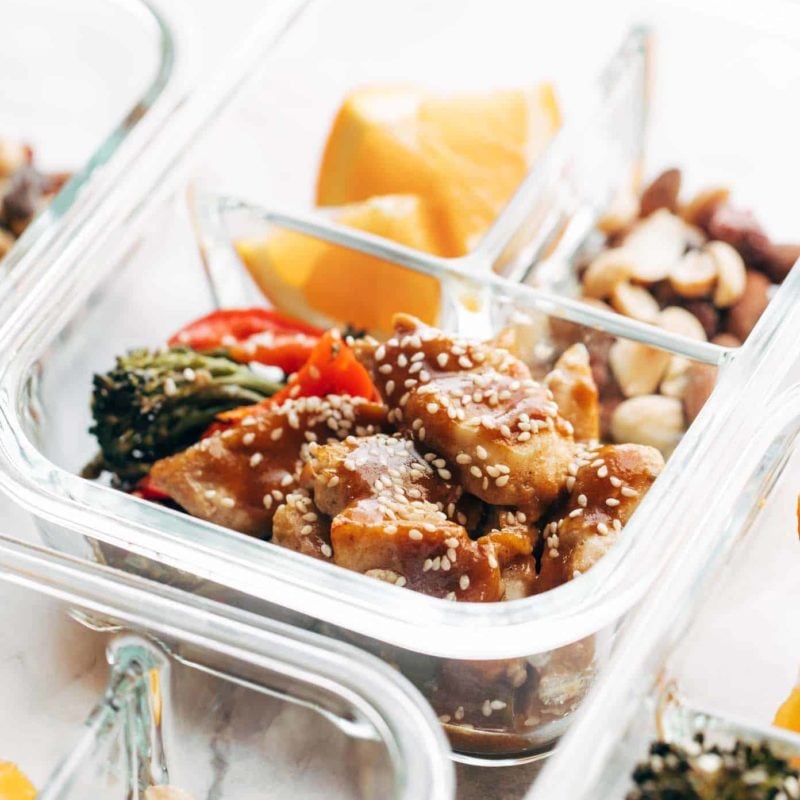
x: 194, y: 695
x: 714, y: 648
x: 99, y: 297
x: 76, y: 85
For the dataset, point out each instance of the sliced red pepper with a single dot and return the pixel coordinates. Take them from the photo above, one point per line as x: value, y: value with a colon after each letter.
x: 289, y: 351
x: 332, y: 368
x: 229, y: 326
x: 147, y: 491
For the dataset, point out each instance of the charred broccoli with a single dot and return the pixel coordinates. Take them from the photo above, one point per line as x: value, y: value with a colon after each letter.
x: 154, y: 404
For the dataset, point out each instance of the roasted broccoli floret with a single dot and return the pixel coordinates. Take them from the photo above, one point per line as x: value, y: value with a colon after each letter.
x: 155, y: 403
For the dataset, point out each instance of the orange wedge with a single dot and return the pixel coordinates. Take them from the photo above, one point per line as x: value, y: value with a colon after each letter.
x: 327, y: 284
x: 465, y: 154
x: 13, y: 783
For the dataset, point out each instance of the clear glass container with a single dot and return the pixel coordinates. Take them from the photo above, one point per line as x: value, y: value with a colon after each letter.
x: 715, y: 647
x: 100, y: 296
x: 115, y: 62
x: 156, y: 689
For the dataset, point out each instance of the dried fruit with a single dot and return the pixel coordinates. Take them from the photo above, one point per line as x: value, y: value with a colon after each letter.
x: 637, y: 368
x: 747, y: 311
x: 700, y: 381
x: 661, y: 193
x: 731, y: 273
x: 693, y: 275
x: 651, y: 419
x: 678, y: 320
x: 634, y: 301
x: 657, y: 242
x: 607, y: 270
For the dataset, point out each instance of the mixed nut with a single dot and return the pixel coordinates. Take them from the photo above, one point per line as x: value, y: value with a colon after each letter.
x: 703, y: 269
x: 24, y: 190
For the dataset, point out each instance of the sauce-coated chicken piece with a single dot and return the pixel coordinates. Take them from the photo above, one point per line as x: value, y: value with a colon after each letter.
x: 575, y: 392
x: 300, y: 526
x: 606, y: 484
x: 238, y: 477
x: 475, y: 405
x: 396, y: 515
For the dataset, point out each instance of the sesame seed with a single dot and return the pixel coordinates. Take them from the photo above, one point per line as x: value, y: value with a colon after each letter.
x: 209, y: 493
x: 602, y: 472
x: 602, y: 528
x: 505, y: 431
x: 401, y: 581
x: 415, y: 534
x: 451, y: 542
x: 305, y: 530
x: 385, y: 369
x: 582, y: 500
x: 459, y: 715
x: 256, y: 459
x: 492, y: 562
x: 502, y: 480
x: 486, y: 708
x: 463, y: 582
x: 628, y: 491
x: 402, y: 361
x: 427, y: 565
x: 463, y: 458
x: 450, y: 596
x: 445, y: 563
x: 286, y: 479
x: 498, y: 705
x: 524, y: 436
x: 228, y: 502
x: 492, y: 470
x: 611, y: 501
x: 570, y: 483
x: 389, y: 386
x: 267, y: 501
x: 441, y: 359
x: 481, y: 452
x: 334, y: 481
x: 380, y: 353
x: 575, y: 513
x: 278, y: 495
x: 476, y: 471
x: 445, y: 474
x: 452, y: 556
x: 615, y: 481
x: 432, y: 408
x: 248, y: 438
x: 326, y: 550
x: 391, y: 529
x: 572, y: 469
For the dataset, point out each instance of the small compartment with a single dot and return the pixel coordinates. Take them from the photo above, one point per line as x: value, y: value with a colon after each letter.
x: 75, y: 83
x: 103, y: 698
x: 722, y: 659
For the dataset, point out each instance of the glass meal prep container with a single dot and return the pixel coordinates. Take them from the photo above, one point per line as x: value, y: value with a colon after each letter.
x: 714, y: 648
x: 538, y: 654
x: 76, y: 84
x: 157, y: 690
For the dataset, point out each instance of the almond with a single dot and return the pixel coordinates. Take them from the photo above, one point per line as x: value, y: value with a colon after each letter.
x: 678, y: 320
x: 651, y: 419
x: 656, y: 243
x: 700, y: 383
x: 609, y: 268
x: 778, y: 260
x: 744, y: 315
x: 637, y: 368
x: 693, y: 275
x: 731, y: 273
x: 634, y: 301
x: 700, y: 209
x: 661, y: 193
